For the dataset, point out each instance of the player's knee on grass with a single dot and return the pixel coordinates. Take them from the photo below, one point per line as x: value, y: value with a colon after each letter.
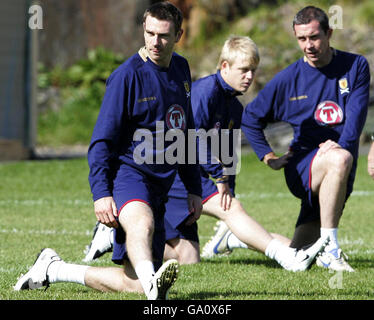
x: 185, y: 251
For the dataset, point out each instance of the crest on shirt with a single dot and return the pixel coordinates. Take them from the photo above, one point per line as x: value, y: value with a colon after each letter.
x: 343, y: 86
x: 231, y: 124
x: 328, y: 113
x: 187, y: 88
x: 176, y: 118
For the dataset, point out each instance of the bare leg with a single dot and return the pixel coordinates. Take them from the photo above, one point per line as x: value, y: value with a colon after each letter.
x: 113, y: 279
x: 170, y: 252
x: 244, y: 227
x: 250, y: 232
x: 185, y: 251
x: 330, y: 173
x: 137, y: 220
x: 286, y: 241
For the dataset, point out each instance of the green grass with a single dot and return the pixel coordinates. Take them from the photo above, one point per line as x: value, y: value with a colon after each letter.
x: 48, y: 204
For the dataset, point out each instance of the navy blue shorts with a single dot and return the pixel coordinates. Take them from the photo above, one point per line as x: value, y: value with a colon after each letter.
x: 177, y: 209
x: 299, y: 179
x: 131, y: 185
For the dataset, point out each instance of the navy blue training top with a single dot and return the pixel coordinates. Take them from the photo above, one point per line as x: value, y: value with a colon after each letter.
x: 319, y: 103
x: 139, y: 96
x: 215, y: 106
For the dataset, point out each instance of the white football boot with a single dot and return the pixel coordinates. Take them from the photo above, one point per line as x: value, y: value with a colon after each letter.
x: 102, y: 242
x: 334, y: 260
x: 163, y: 279
x: 304, y: 257
x: 37, y: 276
x: 217, y: 245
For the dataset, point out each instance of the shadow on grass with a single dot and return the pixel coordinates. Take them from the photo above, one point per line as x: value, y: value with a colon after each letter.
x: 233, y: 294
x: 359, y: 263
x: 265, y: 295
x: 243, y: 261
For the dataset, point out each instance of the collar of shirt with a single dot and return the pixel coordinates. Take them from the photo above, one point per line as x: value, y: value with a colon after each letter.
x: 143, y: 53
x: 225, y: 86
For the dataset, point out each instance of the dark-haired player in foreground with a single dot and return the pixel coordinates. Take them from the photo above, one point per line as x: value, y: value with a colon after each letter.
x: 151, y: 87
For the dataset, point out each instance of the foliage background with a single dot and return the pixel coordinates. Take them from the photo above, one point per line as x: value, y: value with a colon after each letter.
x: 70, y: 97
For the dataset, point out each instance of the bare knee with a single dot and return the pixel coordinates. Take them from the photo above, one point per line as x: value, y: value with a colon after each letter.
x: 336, y: 164
x: 236, y: 209
x: 236, y: 215
x: 137, y: 223
x: 190, y: 256
x: 213, y: 208
x: 341, y: 161
x: 186, y: 251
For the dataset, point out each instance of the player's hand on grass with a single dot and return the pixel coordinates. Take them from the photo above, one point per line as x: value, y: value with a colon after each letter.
x: 195, y: 207
x: 106, y: 211
x: 225, y: 195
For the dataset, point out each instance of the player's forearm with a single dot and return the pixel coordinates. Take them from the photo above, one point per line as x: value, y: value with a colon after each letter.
x: 190, y: 176
x: 99, y: 159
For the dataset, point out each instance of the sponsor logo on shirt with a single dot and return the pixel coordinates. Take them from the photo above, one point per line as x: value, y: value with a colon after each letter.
x: 146, y: 99
x: 176, y: 118
x: 298, y: 98
x: 328, y: 113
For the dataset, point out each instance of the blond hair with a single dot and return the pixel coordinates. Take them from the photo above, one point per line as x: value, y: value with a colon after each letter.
x: 239, y: 46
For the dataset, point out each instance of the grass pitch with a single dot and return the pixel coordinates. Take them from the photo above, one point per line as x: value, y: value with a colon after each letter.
x: 48, y: 204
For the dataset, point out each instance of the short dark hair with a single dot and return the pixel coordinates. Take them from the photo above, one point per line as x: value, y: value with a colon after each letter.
x: 165, y: 11
x: 309, y: 13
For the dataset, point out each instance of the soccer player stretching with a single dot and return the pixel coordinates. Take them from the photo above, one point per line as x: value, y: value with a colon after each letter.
x: 217, y: 110
x: 324, y: 97
x: 151, y: 87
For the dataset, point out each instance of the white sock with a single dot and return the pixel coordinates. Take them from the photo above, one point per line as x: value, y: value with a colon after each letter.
x: 279, y: 252
x: 111, y: 236
x: 60, y: 271
x: 333, y: 234
x: 145, y: 271
x: 272, y: 248
x: 233, y: 242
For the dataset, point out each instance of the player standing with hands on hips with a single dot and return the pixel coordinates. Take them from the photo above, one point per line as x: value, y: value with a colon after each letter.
x: 151, y: 86
x: 324, y: 97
